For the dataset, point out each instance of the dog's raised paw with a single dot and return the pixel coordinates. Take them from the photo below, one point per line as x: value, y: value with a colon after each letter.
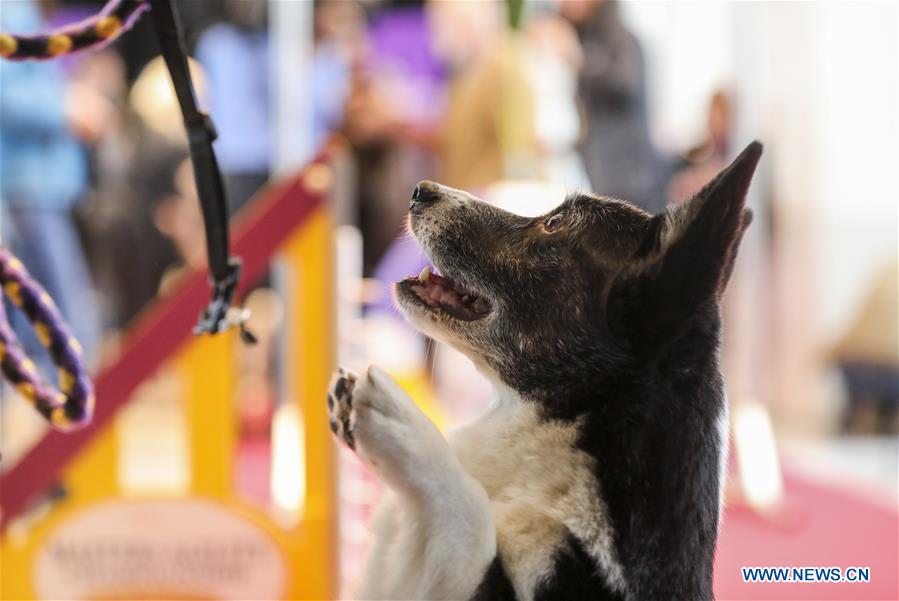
x: 340, y: 405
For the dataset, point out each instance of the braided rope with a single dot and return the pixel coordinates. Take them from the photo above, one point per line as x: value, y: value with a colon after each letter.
x: 96, y: 31
x: 72, y: 405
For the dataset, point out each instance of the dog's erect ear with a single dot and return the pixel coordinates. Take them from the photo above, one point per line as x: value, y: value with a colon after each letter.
x: 689, y: 255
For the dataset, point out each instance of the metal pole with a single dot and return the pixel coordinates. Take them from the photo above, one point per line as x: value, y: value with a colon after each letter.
x: 291, y: 45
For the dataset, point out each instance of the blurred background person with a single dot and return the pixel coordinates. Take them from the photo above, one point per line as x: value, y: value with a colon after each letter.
x: 867, y: 356
x: 178, y: 217
x: 131, y: 167
x: 396, y: 98
x: 235, y: 55
x: 555, y: 59
x: 703, y: 161
x: 618, y: 151
x: 44, y: 120
x: 488, y: 127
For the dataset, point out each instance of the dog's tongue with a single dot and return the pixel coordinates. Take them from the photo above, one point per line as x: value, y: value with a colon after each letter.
x: 443, y: 281
x: 436, y: 288
x: 434, y: 277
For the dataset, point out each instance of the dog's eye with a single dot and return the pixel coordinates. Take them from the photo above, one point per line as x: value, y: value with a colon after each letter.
x: 554, y: 222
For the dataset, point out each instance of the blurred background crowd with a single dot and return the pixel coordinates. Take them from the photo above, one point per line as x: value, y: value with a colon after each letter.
x: 485, y: 96
x: 518, y: 101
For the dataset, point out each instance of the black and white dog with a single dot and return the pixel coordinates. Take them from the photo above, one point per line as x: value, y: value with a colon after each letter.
x: 597, y: 472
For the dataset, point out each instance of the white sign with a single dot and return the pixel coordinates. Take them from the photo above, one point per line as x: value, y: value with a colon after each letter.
x: 176, y: 549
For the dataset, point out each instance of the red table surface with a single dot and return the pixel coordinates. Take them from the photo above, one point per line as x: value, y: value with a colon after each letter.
x: 825, y: 526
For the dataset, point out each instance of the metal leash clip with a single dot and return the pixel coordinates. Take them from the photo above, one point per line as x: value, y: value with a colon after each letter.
x: 219, y: 315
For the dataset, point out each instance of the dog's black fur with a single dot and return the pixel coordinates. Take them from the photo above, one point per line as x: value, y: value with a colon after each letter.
x: 610, y: 316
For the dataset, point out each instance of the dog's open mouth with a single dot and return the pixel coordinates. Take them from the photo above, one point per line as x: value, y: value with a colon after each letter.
x: 440, y: 292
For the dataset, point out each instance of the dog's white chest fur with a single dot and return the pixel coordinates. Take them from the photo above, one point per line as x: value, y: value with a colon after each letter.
x: 510, y: 483
x: 540, y: 486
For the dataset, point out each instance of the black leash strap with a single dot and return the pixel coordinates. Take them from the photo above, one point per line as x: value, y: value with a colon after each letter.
x: 225, y: 270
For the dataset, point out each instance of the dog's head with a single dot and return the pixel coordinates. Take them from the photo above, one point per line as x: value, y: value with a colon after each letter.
x: 595, y: 284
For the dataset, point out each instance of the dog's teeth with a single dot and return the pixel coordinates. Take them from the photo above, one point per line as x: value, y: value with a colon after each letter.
x: 480, y: 305
x: 425, y: 274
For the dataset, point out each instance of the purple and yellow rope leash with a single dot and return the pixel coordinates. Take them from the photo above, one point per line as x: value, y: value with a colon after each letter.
x: 96, y: 31
x: 72, y: 405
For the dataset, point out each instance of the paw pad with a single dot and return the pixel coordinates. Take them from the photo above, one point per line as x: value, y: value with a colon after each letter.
x: 340, y: 405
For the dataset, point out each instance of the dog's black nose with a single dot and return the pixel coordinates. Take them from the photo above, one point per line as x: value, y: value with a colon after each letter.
x: 425, y: 193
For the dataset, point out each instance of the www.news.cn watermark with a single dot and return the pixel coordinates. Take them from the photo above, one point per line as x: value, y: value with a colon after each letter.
x: 805, y: 574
